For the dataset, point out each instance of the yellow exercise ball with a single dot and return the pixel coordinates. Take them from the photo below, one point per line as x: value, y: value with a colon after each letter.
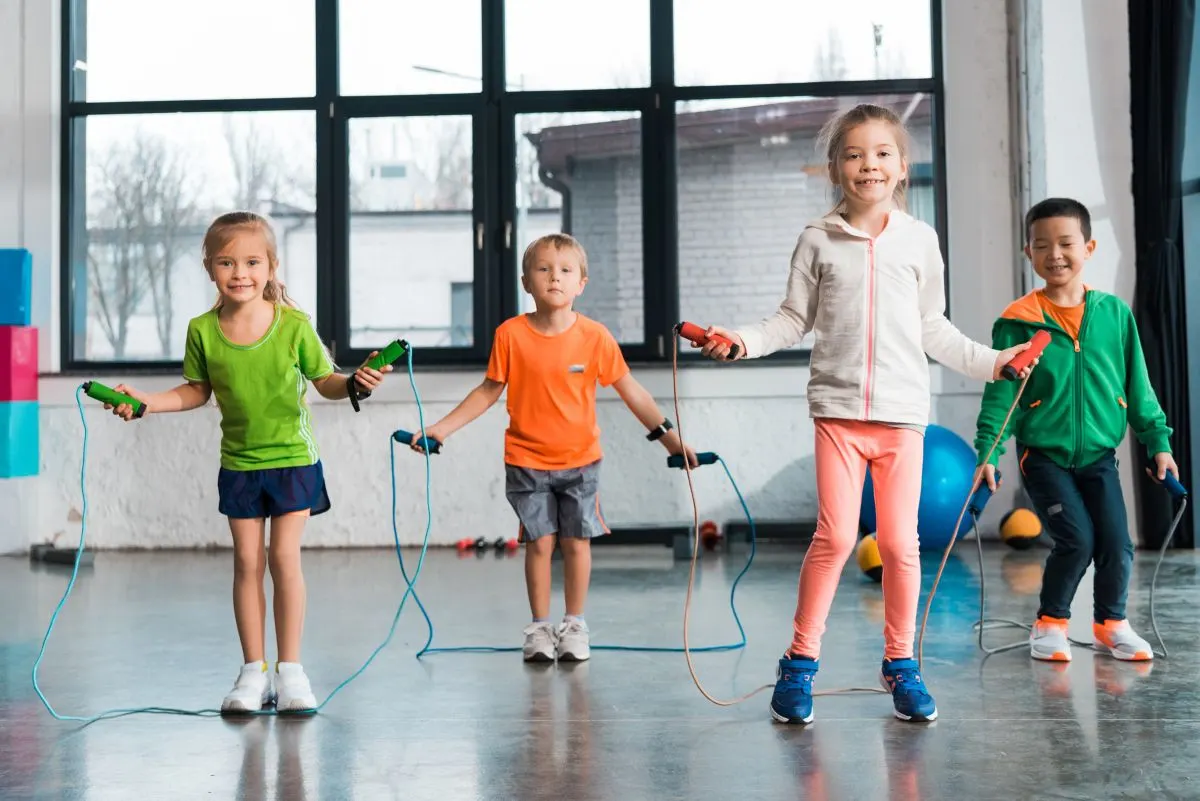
x: 1020, y: 529
x: 867, y: 555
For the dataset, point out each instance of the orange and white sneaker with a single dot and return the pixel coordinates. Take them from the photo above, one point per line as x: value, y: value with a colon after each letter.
x: 1048, y: 640
x: 1118, y: 639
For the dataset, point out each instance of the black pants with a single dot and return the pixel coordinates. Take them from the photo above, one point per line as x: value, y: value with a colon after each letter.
x: 1084, y: 513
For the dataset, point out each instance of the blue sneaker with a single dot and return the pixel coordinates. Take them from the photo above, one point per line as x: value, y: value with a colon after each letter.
x: 793, y: 701
x: 902, y: 678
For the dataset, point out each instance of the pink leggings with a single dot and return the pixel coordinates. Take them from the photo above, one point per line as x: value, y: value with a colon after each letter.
x: 844, y: 448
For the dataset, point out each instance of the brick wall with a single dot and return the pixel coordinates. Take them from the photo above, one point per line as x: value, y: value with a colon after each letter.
x: 741, y: 208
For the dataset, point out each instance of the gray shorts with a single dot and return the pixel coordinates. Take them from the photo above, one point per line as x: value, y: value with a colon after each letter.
x: 562, y: 502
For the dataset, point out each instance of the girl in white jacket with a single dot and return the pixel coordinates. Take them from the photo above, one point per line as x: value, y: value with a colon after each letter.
x: 867, y: 280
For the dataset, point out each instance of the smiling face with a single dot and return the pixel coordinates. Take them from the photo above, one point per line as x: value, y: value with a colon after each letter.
x: 554, y: 275
x: 242, y: 267
x: 869, y: 166
x: 1058, y: 248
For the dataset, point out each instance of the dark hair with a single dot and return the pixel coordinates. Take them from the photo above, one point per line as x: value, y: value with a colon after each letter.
x: 1060, y: 207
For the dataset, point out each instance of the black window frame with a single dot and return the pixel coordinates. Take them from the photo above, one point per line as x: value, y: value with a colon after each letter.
x: 493, y: 111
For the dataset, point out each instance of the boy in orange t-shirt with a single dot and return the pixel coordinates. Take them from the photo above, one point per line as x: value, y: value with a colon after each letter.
x: 551, y: 361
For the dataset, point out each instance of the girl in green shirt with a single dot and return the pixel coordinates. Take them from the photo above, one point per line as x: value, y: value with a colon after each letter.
x: 257, y: 352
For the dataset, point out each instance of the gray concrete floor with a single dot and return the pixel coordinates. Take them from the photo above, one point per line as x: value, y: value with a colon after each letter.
x: 156, y: 629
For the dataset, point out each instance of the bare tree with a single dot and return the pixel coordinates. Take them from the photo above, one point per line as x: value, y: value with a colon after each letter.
x: 145, y: 207
x: 262, y: 175
x: 829, y: 63
x: 452, y: 171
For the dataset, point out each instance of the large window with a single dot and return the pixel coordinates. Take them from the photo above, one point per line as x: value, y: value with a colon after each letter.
x: 407, y: 152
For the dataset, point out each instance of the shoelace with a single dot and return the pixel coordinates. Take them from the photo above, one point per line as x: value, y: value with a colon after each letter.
x: 909, y: 681
x: 798, y: 681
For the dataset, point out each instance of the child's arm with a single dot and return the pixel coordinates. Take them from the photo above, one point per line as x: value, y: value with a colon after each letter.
x: 998, y: 397
x: 1146, y: 416
x: 790, y: 323
x: 642, y: 404
x: 939, y: 337
x: 335, y: 386
x: 478, y: 401
x: 182, y: 398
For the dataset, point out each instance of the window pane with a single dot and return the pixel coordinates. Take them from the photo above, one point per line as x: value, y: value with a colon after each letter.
x: 155, y: 50
x: 412, y: 251
x: 551, y: 44
x: 581, y: 173
x: 410, y: 47
x: 782, y: 41
x: 150, y: 185
x: 749, y: 178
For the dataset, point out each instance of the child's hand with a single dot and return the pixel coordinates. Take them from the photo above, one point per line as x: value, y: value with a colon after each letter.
x: 1006, y: 356
x: 989, y: 476
x: 686, y: 450
x: 431, y: 432
x: 124, y: 410
x: 676, y: 447
x: 719, y: 350
x: 369, y: 378
x: 1162, y: 463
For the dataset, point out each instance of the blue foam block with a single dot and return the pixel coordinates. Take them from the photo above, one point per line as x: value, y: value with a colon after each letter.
x: 16, y: 276
x: 20, y: 454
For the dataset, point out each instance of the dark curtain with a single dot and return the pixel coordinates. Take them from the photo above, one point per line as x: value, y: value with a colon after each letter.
x: 1160, y: 50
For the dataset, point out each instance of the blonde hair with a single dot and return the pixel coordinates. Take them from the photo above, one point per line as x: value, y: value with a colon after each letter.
x: 832, y: 139
x: 558, y: 241
x: 225, y: 229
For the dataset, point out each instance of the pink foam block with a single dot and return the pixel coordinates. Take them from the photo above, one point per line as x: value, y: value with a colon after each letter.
x: 18, y: 363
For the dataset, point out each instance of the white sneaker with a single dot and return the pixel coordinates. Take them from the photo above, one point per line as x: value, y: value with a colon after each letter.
x: 294, y: 692
x: 540, y: 641
x: 573, y: 641
x: 252, y: 690
x: 1117, y: 637
x: 1048, y: 640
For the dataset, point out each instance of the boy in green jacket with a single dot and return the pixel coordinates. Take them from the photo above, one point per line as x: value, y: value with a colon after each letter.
x: 1090, y: 385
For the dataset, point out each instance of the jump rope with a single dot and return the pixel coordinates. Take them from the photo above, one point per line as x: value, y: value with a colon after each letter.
x: 98, y: 391
x: 392, y: 353
x: 697, y: 335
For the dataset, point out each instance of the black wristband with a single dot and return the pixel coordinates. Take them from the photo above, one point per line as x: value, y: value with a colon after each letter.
x: 659, y: 432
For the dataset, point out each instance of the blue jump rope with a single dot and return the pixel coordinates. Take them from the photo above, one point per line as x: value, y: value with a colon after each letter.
x: 162, y: 710
x: 433, y: 446
x: 399, y: 436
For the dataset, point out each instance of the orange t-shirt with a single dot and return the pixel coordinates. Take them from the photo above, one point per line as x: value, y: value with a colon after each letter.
x: 552, y: 390
x: 1070, y: 318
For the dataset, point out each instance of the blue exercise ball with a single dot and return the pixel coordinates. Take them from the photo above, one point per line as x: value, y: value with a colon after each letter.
x: 946, y: 476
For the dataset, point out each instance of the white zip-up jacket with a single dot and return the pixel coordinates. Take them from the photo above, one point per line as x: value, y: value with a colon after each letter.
x: 876, y: 307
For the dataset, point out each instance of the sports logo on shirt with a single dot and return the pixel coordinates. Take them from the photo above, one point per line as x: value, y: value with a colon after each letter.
x: 575, y: 368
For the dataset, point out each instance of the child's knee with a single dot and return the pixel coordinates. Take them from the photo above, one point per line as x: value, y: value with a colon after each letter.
x: 574, y: 545
x: 542, y: 547
x: 894, y: 549
x: 247, y: 562
x: 284, y: 562
x: 837, y: 546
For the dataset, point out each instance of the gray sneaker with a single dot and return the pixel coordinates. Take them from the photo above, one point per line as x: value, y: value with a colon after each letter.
x: 540, y: 641
x: 573, y: 641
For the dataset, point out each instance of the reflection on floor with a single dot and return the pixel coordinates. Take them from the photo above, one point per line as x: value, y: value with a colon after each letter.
x: 157, y: 629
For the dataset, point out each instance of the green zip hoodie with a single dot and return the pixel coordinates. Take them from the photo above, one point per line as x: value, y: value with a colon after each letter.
x: 1083, y: 395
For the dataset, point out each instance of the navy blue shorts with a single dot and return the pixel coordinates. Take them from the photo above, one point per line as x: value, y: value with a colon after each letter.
x: 272, y: 492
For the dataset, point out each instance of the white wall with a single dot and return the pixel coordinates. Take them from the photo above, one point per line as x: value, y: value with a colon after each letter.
x: 29, y: 181
x: 154, y: 482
